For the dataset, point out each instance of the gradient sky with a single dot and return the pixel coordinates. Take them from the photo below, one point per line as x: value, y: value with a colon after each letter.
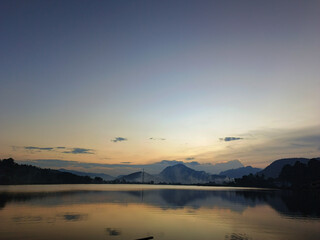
x: 143, y: 81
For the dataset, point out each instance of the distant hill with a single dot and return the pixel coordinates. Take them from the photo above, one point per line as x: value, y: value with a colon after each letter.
x: 13, y: 173
x: 274, y: 169
x: 239, y: 172
x: 137, y: 177
x: 104, y: 176
x: 182, y: 174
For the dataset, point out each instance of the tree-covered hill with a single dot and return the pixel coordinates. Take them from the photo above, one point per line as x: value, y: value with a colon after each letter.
x: 301, y: 176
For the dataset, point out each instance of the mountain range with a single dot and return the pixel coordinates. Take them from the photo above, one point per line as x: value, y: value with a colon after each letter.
x: 179, y: 174
x: 182, y: 174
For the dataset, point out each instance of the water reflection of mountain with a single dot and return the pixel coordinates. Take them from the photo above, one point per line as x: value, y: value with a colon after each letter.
x: 287, y: 203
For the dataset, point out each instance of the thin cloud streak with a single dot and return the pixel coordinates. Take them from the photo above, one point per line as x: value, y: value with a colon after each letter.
x: 39, y: 148
x: 79, y: 151
x: 119, y: 139
x: 157, y: 139
x: 66, y: 150
x: 228, y: 139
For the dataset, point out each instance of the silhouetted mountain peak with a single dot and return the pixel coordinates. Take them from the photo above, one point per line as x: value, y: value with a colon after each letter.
x: 182, y: 174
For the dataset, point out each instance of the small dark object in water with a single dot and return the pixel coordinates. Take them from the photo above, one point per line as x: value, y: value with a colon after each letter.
x: 147, y: 238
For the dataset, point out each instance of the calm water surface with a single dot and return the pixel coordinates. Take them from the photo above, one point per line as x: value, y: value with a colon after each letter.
x: 164, y: 212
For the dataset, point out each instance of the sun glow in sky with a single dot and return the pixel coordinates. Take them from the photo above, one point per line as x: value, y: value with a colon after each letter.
x: 143, y: 81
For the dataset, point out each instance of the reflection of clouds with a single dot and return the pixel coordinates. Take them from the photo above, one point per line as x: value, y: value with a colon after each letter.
x: 238, y: 236
x: 113, y: 231
x: 74, y: 217
x: 27, y: 219
x: 70, y: 217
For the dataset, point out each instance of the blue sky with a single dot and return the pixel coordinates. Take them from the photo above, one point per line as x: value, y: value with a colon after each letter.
x: 170, y: 79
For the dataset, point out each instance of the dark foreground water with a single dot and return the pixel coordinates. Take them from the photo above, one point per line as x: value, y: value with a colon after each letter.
x: 165, y: 212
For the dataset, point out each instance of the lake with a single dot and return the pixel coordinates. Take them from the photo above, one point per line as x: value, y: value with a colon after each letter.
x: 164, y: 212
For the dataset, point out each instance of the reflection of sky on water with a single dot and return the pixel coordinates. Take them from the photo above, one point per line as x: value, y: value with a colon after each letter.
x: 67, y: 217
x: 165, y: 213
x: 287, y: 203
x: 164, y: 198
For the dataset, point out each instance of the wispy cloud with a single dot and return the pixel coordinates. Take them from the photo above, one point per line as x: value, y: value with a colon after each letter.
x: 157, y: 139
x: 119, y: 139
x: 265, y: 145
x: 79, y: 151
x: 39, y: 148
x: 60, y: 149
x: 126, y: 162
x: 189, y: 158
x: 228, y: 139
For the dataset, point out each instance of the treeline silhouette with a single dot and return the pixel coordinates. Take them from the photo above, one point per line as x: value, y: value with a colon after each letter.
x: 255, y: 181
x: 13, y: 173
x: 300, y: 176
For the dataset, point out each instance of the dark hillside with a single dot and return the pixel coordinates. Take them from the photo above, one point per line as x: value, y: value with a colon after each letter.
x: 274, y: 169
x: 302, y: 176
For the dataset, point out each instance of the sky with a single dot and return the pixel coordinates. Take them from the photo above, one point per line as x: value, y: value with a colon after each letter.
x: 138, y: 82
